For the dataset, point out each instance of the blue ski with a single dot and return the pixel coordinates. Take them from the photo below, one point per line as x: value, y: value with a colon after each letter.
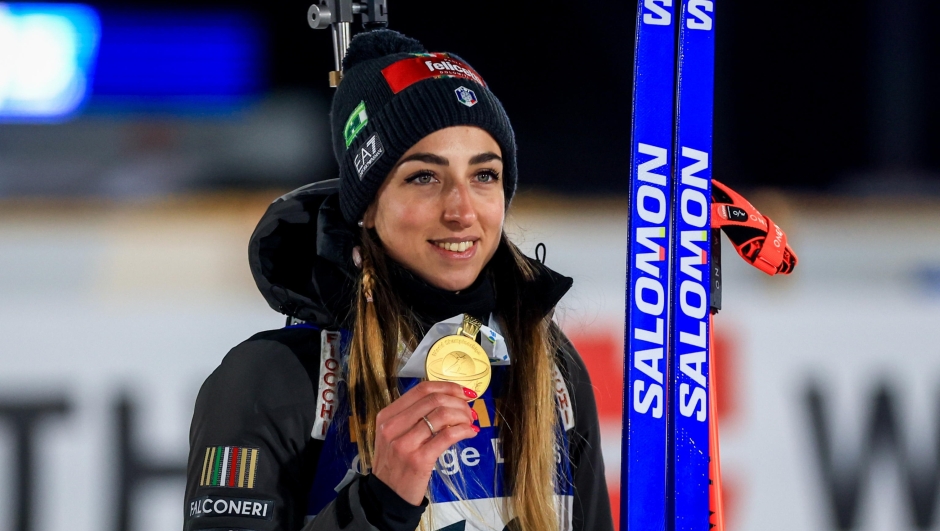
x: 689, y: 333
x: 643, y: 495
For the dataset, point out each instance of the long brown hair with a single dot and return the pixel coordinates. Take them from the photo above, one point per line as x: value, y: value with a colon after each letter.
x: 527, y: 418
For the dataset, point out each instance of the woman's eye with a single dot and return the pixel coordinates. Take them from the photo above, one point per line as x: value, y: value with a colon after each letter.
x: 487, y: 176
x: 421, y: 178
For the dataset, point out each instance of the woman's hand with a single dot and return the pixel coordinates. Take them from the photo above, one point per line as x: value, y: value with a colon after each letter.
x: 405, y: 448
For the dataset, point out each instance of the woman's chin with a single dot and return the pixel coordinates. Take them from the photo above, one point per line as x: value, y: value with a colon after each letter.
x: 451, y: 281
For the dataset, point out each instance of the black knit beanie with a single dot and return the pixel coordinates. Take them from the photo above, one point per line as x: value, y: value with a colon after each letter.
x: 393, y: 94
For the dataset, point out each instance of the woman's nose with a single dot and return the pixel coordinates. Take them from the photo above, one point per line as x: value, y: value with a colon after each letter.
x: 458, y: 206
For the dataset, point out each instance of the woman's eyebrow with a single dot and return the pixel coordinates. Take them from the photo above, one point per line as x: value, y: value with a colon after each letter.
x: 483, y: 158
x: 428, y: 158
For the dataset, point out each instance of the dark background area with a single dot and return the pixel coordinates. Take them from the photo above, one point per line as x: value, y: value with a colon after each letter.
x: 833, y: 96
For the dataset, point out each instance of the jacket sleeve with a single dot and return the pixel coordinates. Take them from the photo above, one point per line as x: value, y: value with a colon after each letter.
x: 345, y: 512
x: 251, y: 458
x: 591, y: 501
x: 367, y: 504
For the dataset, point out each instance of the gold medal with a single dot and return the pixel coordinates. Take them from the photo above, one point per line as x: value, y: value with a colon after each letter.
x: 460, y: 359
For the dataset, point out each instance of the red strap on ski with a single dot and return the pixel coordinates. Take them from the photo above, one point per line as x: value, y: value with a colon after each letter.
x: 759, y: 241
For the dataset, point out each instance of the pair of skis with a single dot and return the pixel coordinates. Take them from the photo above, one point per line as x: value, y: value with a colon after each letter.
x: 668, y: 406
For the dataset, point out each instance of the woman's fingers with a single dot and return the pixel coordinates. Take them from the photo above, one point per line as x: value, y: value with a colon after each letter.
x: 437, y: 404
x: 441, y: 410
x: 433, y: 448
x: 444, y: 417
x: 391, y: 425
x: 420, y: 391
x: 423, y: 446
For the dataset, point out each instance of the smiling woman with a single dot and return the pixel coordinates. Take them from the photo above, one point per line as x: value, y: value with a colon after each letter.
x: 440, y: 211
x: 422, y: 382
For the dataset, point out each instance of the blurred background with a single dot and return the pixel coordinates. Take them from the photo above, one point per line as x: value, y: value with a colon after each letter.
x: 141, y: 142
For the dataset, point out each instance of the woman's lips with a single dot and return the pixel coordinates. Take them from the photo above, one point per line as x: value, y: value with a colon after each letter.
x: 456, y: 249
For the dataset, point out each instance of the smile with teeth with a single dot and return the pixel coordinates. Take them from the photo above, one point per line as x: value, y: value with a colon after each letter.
x: 455, y: 247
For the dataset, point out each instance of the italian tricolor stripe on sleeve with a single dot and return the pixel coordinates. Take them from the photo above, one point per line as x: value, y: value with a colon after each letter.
x: 229, y: 466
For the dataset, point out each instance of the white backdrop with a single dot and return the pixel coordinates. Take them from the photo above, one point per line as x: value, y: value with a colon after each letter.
x: 100, y: 302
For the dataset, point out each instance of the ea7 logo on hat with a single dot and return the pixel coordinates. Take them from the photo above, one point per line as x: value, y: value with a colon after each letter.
x: 368, y: 154
x: 466, y: 96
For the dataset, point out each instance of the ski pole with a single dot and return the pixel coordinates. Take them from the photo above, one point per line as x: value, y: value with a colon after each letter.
x: 716, y: 513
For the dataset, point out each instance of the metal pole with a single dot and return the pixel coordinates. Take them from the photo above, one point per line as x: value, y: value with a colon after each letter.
x: 338, y: 15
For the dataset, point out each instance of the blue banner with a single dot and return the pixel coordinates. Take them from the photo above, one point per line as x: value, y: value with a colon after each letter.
x: 689, y: 337
x: 643, y: 454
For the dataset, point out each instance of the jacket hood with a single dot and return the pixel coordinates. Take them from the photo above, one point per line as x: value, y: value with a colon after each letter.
x: 300, y: 256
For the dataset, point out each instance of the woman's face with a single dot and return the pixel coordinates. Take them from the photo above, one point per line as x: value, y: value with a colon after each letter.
x: 440, y: 211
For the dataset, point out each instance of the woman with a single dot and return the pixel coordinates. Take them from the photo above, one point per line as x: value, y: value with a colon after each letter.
x: 422, y: 382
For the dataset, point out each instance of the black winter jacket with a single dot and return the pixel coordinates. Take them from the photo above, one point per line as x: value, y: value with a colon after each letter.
x: 253, y: 457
